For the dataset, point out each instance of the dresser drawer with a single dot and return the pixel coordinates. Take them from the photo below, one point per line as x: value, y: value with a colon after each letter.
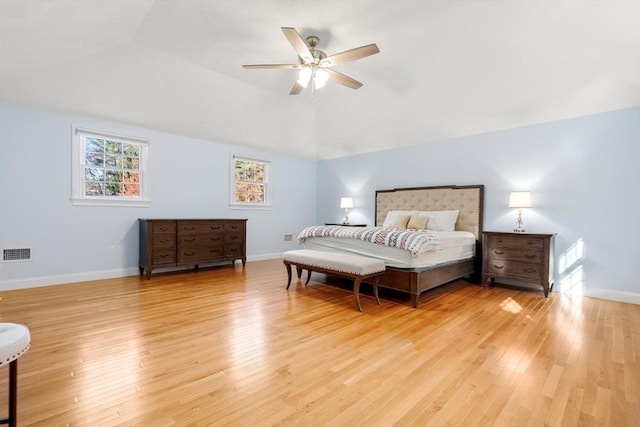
x: 193, y: 240
x: 164, y: 256
x: 234, y: 226
x: 234, y: 237
x: 200, y: 255
x: 164, y: 240
x: 232, y: 250
x: 513, y: 268
x: 516, y: 242
x: 516, y: 254
x: 164, y: 227
x: 199, y: 227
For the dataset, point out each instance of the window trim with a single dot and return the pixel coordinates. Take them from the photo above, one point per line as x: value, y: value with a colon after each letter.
x: 78, y: 198
x: 232, y: 188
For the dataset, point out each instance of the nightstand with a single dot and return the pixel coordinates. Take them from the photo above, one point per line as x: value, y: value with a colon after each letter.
x: 521, y: 257
x: 347, y: 225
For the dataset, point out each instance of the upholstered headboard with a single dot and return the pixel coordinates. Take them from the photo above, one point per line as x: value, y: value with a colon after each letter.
x: 468, y: 199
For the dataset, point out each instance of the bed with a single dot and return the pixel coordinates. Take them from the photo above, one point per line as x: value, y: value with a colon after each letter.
x: 458, y: 256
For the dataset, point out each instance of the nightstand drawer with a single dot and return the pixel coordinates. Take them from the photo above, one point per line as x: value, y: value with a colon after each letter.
x: 513, y: 268
x: 516, y: 254
x: 516, y: 242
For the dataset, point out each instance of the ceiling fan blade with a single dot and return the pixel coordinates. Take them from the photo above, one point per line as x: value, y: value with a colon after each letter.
x: 350, y: 55
x: 298, y: 44
x: 278, y: 66
x: 296, y: 89
x: 342, y: 79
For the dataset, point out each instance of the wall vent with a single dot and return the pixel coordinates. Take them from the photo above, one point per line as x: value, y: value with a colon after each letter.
x: 16, y: 254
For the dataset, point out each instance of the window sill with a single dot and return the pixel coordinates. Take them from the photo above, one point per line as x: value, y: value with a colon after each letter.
x: 250, y: 206
x: 110, y: 202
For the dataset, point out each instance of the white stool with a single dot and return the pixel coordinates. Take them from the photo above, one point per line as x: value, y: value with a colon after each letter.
x: 14, y: 341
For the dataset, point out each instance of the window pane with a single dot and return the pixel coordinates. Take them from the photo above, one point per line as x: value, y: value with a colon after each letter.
x: 94, y: 159
x: 94, y: 174
x: 113, y: 189
x: 131, y: 190
x: 130, y: 150
x: 130, y: 163
x: 113, y: 176
x: 113, y: 147
x: 94, y: 189
x: 93, y: 144
x: 111, y: 161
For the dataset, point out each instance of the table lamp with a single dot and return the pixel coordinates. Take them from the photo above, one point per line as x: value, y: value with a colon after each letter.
x: 519, y: 199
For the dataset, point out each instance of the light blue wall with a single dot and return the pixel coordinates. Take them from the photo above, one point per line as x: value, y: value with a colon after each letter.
x: 583, y: 174
x: 189, y: 179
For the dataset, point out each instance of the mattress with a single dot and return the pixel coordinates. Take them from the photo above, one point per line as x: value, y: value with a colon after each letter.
x: 454, y: 246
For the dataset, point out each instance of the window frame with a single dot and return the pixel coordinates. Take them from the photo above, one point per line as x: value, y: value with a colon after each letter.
x: 78, y: 196
x: 266, y: 205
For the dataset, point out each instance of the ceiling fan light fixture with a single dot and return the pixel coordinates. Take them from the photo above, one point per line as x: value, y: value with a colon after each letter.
x: 304, y: 76
x: 320, y: 76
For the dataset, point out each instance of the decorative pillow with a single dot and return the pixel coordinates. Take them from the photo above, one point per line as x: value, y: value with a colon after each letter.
x: 441, y: 220
x: 417, y: 222
x: 398, y: 221
x: 390, y: 218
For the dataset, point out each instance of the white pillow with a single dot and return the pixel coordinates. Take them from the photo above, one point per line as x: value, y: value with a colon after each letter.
x: 441, y: 220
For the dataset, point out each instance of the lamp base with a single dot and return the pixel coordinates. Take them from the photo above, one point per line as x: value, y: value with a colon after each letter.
x: 346, y: 220
x: 519, y: 228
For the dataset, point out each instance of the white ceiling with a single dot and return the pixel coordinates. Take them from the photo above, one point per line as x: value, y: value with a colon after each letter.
x: 445, y: 68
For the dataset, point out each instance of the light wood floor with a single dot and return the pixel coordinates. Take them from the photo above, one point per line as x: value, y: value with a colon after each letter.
x: 232, y: 347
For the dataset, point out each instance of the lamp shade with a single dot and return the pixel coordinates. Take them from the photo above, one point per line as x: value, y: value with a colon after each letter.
x: 520, y: 199
x: 346, y: 202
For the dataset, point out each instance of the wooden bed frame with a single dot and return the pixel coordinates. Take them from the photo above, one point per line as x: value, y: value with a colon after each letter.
x: 468, y: 199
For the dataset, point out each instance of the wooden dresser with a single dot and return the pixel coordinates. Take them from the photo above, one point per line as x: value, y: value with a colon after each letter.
x: 519, y: 257
x: 180, y: 242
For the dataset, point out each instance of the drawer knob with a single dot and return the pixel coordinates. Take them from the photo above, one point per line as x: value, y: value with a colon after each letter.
x: 530, y: 256
x: 189, y: 253
x: 189, y: 239
x: 498, y: 252
x: 529, y: 270
x: 499, y: 267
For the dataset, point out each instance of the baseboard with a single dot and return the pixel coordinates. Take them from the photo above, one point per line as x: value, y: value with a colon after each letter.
x: 612, y: 295
x: 35, y: 282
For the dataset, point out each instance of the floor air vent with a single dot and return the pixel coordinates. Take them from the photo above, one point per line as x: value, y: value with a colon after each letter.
x: 16, y: 254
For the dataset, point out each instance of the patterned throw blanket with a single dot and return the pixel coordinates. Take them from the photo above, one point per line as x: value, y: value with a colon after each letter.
x: 415, y: 241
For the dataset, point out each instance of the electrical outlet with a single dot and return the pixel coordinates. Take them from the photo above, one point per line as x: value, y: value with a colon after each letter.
x: 112, y: 250
x: 288, y: 237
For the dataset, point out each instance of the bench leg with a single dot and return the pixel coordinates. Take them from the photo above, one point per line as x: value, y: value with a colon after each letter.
x: 356, y: 292
x: 286, y: 264
x: 308, y: 277
x: 299, y: 271
x: 375, y: 289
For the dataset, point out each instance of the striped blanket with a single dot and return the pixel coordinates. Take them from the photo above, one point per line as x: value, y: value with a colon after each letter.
x: 414, y: 241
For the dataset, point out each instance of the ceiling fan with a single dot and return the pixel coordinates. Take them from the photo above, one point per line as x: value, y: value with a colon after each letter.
x: 314, y: 65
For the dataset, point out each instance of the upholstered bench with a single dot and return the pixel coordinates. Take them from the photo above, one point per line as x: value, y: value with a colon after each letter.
x: 14, y: 341
x: 348, y: 266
